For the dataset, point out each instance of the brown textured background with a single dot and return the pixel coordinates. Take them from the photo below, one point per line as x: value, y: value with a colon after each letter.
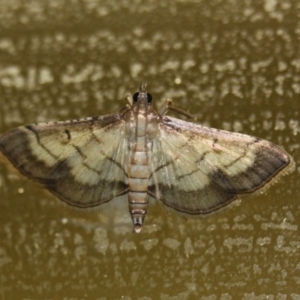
x: 235, y: 64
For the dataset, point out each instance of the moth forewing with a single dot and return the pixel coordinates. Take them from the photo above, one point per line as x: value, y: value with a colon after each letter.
x: 191, y: 169
x: 201, y: 169
x: 75, y: 160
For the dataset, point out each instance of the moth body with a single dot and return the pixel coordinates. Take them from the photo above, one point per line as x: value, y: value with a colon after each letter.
x: 146, y: 155
x: 140, y: 145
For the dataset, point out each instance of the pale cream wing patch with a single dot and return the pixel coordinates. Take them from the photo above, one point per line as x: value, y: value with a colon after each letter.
x: 197, y: 170
x: 82, y: 162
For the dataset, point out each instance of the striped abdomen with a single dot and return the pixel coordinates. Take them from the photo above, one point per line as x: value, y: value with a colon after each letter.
x: 138, y: 171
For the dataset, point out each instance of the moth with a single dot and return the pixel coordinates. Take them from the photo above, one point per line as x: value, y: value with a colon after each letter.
x: 146, y: 155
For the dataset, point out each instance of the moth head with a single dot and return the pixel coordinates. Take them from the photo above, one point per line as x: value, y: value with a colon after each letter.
x: 142, y: 95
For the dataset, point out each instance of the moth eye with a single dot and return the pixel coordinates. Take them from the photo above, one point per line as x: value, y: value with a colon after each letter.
x: 135, y: 97
x: 149, y: 98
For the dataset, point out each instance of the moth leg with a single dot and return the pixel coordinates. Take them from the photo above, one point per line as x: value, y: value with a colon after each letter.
x: 168, y: 105
x: 124, y: 109
x: 127, y: 106
x: 165, y: 107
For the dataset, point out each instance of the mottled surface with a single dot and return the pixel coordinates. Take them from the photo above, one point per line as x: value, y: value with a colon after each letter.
x: 235, y: 64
